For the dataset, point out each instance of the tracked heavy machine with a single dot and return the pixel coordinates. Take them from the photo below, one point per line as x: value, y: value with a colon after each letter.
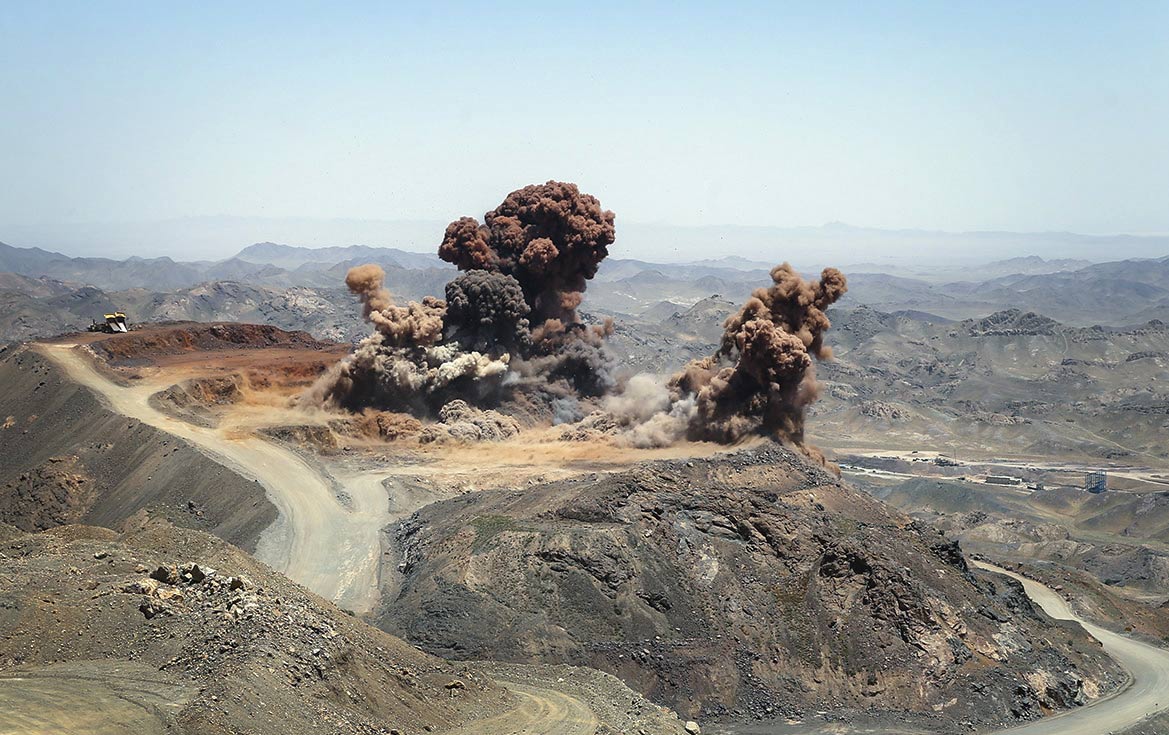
x: 113, y: 324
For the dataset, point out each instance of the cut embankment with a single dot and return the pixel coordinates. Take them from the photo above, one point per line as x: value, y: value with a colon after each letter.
x: 68, y: 458
x: 1147, y: 694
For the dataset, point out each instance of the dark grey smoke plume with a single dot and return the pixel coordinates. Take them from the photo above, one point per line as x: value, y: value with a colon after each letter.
x: 551, y: 239
x: 486, y: 312
x: 509, y: 323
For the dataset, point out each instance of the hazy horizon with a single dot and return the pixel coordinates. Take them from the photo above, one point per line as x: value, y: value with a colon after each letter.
x: 221, y: 237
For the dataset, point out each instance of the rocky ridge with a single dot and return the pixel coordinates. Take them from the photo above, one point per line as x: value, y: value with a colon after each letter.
x: 750, y: 585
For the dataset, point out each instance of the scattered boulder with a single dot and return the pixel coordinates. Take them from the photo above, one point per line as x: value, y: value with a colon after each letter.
x: 885, y: 411
x: 142, y: 587
x: 152, y: 607
x: 166, y: 574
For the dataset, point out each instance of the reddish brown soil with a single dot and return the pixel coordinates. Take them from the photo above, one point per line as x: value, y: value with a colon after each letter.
x: 261, y: 357
x: 157, y: 341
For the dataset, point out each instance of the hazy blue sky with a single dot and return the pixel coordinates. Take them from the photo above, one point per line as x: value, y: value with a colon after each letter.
x: 958, y: 116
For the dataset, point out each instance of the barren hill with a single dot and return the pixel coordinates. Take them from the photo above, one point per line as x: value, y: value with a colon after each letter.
x: 751, y: 583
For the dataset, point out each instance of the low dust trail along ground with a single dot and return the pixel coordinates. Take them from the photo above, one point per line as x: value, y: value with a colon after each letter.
x: 316, y: 541
x: 1148, y: 693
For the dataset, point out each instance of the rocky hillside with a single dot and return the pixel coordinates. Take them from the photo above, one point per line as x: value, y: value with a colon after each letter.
x: 42, y: 308
x: 749, y: 584
x: 209, y: 641
x: 1117, y: 537
x: 67, y: 459
x: 159, y: 630
x: 1013, y: 382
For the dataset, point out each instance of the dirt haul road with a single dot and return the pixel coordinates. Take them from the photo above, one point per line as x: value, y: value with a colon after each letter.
x: 539, y: 712
x: 1148, y: 693
x: 115, y: 703
x: 92, y: 697
x: 331, y: 548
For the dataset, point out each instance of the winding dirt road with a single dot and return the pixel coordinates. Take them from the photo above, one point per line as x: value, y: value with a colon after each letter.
x: 1147, y: 695
x: 540, y: 712
x: 331, y: 548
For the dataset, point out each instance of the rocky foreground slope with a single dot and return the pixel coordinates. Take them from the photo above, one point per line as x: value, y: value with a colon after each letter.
x: 239, y: 647
x: 160, y: 629
x: 748, y: 584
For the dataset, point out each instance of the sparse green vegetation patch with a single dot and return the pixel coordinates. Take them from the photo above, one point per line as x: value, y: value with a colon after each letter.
x: 487, y: 527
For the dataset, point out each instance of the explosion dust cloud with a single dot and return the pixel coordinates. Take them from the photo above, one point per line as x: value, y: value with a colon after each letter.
x: 508, y: 336
x: 509, y: 322
x: 761, y: 379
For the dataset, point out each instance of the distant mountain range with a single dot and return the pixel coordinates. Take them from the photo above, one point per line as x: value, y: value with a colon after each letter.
x: 267, y: 264
x: 217, y: 237
x: 291, y: 256
x: 1072, y: 291
x: 44, y: 292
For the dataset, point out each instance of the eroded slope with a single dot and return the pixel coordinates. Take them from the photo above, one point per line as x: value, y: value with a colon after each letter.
x: 752, y: 583
x: 68, y: 459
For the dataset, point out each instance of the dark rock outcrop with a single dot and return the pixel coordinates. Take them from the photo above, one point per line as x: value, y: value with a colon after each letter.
x: 749, y: 584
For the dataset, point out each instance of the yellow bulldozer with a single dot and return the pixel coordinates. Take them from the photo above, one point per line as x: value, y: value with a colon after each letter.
x: 113, y: 324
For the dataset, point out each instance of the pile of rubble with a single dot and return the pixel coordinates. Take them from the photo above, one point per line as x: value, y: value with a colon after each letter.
x: 169, y: 585
x: 596, y: 425
x: 459, y: 421
x: 236, y: 618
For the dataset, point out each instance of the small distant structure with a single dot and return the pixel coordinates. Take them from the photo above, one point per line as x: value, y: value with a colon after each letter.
x: 1003, y: 480
x: 1096, y: 482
